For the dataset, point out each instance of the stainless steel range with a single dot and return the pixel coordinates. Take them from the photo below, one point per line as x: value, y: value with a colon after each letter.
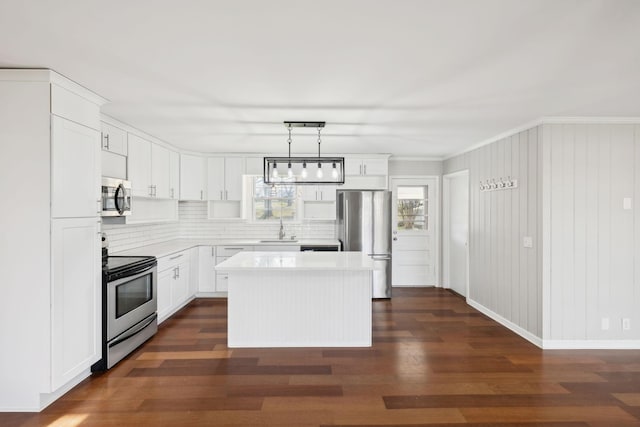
x: 129, y: 306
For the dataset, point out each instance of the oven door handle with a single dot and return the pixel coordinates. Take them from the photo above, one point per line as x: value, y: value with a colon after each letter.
x: 139, y: 270
x: 133, y: 331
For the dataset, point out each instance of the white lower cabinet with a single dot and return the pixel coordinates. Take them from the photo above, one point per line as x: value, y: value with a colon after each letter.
x: 75, y: 298
x: 174, y: 285
x: 206, y: 270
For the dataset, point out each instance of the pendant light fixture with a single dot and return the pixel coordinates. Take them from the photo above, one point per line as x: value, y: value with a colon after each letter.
x: 298, y: 167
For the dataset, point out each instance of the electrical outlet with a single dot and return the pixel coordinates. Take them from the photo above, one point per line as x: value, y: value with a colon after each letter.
x: 604, y: 324
x: 527, y: 242
x: 626, y: 324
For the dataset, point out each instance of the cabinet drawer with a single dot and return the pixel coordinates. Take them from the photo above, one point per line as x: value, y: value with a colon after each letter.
x: 227, y: 251
x: 172, y: 260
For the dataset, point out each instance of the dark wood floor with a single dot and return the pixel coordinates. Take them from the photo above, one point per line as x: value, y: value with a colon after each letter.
x: 435, y: 361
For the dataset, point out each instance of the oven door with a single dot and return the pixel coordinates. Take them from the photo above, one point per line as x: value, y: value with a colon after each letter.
x: 130, y: 300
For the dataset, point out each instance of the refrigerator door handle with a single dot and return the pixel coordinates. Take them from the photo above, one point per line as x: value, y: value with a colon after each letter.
x: 381, y: 257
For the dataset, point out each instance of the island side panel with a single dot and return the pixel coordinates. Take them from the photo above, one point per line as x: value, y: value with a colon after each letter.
x: 299, y: 309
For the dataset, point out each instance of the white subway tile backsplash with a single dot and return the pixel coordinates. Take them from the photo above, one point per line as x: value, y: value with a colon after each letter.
x: 193, y: 223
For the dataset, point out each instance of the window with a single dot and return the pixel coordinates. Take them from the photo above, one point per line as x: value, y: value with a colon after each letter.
x: 274, y: 202
x: 412, y: 207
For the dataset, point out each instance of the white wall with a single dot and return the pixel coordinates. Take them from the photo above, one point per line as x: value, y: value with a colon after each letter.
x: 415, y: 167
x: 592, y: 244
x: 504, y: 277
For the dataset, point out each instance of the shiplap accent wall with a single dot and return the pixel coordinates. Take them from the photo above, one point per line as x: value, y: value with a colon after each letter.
x: 505, y: 278
x: 592, y: 245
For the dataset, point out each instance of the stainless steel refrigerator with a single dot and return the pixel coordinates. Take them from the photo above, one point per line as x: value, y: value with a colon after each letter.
x: 363, y: 223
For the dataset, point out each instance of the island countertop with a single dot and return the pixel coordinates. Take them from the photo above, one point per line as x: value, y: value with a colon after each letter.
x: 298, y: 261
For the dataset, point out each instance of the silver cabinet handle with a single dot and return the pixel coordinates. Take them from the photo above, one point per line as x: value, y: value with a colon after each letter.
x: 360, y: 169
x: 172, y: 196
x: 99, y: 206
x: 106, y: 138
x: 365, y: 169
x: 176, y: 257
x: 213, y: 252
x: 221, y: 196
x: 175, y: 273
x: 178, y: 270
x: 201, y: 195
x: 226, y: 195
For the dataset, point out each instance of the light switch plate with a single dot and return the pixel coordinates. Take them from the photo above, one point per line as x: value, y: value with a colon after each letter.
x: 626, y: 203
x: 527, y: 241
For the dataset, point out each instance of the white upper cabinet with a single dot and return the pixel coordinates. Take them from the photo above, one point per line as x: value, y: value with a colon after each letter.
x: 150, y: 169
x: 139, y: 166
x: 114, y: 139
x: 319, y: 193
x: 193, y: 177
x: 174, y: 175
x: 75, y: 151
x: 225, y: 178
x: 365, y: 166
x: 160, y: 172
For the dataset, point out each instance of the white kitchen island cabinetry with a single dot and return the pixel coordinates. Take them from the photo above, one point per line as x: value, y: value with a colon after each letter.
x: 51, y: 243
x: 299, y: 299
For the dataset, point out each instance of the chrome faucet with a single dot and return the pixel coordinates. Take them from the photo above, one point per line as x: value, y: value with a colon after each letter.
x: 281, y: 232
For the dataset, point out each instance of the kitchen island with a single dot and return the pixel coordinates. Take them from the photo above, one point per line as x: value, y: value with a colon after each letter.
x: 299, y: 299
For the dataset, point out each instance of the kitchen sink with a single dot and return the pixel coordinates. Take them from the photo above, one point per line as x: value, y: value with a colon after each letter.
x: 285, y: 241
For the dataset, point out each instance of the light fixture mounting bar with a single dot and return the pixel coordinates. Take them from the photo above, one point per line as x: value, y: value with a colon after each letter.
x: 295, y: 124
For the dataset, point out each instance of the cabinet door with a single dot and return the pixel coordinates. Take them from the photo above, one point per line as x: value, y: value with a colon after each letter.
x: 160, y: 170
x: 114, y: 139
x: 215, y: 178
x: 375, y: 167
x: 174, y: 174
x: 165, y: 283
x: 76, y: 309
x: 75, y: 170
x: 139, y: 166
x: 352, y: 166
x: 233, y: 171
x: 180, y: 286
x: 206, y: 271
x: 309, y: 193
x: 192, y: 177
x: 327, y: 193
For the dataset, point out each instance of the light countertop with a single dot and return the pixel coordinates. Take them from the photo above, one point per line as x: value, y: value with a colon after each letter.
x: 178, y: 245
x: 297, y: 261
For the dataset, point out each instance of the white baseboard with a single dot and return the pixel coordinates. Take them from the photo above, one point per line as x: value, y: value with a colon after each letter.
x: 557, y: 344
x: 506, y: 323
x: 591, y: 344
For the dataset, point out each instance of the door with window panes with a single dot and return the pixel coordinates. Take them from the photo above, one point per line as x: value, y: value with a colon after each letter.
x: 414, y: 231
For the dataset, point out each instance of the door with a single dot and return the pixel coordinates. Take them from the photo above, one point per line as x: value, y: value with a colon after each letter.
x: 455, y: 244
x: 414, y: 231
x: 174, y: 174
x: 233, y: 170
x: 192, y: 177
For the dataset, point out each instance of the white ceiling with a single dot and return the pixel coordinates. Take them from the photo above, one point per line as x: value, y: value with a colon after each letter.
x: 425, y: 78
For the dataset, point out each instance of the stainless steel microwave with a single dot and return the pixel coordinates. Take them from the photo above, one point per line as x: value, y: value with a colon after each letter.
x: 116, y: 197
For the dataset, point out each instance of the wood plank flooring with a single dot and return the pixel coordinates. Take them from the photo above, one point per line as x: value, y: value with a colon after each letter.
x: 435, y: 361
